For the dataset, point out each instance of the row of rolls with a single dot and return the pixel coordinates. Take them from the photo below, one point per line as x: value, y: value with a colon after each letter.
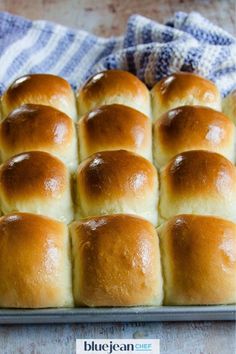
x: 117, y: 196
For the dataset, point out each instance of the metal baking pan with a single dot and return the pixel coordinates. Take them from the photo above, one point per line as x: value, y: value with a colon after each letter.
x: 133, y: 314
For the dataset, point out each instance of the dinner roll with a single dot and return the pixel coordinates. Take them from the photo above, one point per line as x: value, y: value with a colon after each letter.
x: 192, y: 128
x: 115, y: 127
x: 38, y: 127
x: 49, y: 90
x: 198, y: 182
x: 36, y: 182
x: 113, y: 182
x: 113, y: 86
x: 199, y: 260
x: 116, y: 262
x: 35, y: 269
x: 229, y: 106
x: 182, y: 88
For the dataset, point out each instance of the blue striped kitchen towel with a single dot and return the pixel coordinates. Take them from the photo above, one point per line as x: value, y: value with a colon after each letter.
x: 187, y: 42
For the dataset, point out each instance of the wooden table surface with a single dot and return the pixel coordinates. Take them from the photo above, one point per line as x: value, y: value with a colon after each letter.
x: 106, y: 18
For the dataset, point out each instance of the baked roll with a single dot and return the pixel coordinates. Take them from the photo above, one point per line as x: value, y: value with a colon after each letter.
x: 116, y: 262
x: 113, y: 182
x: 35, y: 269
x: 42, y: 128
x: 46, y: 89
x: 192, y: 128
x: 115, y: 127
x: 199, y: 260
x: 36, y: 182
x: 229, y: 106
x: 198, y: 182
x: 113, y: 86
x: 182, y: 88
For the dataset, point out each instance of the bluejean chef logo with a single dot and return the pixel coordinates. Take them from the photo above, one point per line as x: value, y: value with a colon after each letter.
x: 113, y: 346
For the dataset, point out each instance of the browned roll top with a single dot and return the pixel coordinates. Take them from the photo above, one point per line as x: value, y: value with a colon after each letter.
x: 35, y: 270
x: 182, y: 88
x: 116, y: 262
x: 34, y: 173
x: 47, y: 89
x: 199, y: 260
x: 114, y: 127
x: 192, y: 128
x: 35, y: 127
x: 200, y: 172
x: 115, y: 173
x: 113, y: 86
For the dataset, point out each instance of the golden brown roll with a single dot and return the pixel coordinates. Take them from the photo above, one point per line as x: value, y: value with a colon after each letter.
x: 113, y: 182
x: 229, y: 106
x: 113, y: 86
x: 192, y: 128
x: 199, y: 260
x: 116, y: 262
x: 35, y: 269
x: 198, y: 182
x: 182, y: 88
x: 38, y: 127
x: 49, y: 90
x: 115, y: 127
x: 36, y: 182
